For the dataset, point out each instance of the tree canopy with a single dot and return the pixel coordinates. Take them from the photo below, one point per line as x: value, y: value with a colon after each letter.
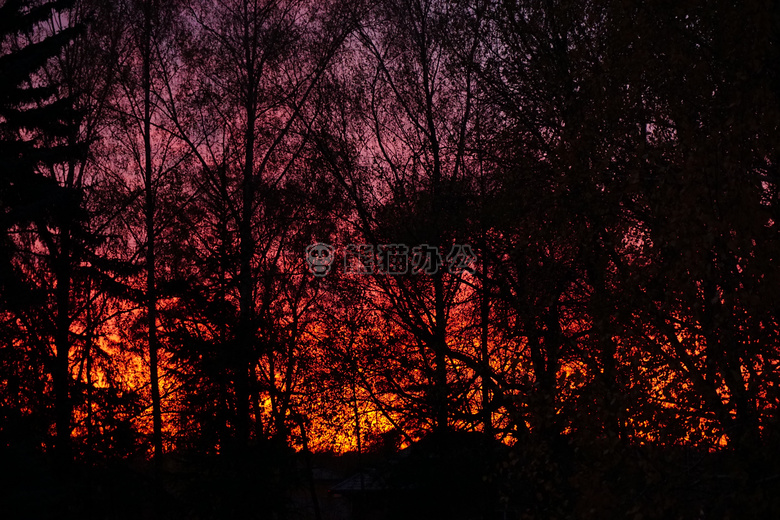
x: 553, y: 225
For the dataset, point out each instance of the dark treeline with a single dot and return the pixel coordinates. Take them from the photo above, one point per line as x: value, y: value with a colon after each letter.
x: 611, y: 164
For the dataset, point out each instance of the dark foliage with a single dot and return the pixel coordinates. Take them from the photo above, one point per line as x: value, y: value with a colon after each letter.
x: 611, y: 352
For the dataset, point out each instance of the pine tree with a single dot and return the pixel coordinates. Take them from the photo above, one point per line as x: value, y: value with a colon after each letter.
x: 28, y: 116
x: 37, y: 129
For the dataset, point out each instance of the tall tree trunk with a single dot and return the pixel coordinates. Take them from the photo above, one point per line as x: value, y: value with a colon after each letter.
x: 484, y: 312
x: 441, y: 390
x: 246, y: 252
x: 150, y: 204
x: 61, y: 375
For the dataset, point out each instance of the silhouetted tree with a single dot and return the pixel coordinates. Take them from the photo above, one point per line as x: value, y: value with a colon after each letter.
x: 253, y: 70
x: 41, y: 195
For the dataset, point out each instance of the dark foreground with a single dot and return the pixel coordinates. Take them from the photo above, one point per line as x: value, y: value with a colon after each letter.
x: 458, y: 476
